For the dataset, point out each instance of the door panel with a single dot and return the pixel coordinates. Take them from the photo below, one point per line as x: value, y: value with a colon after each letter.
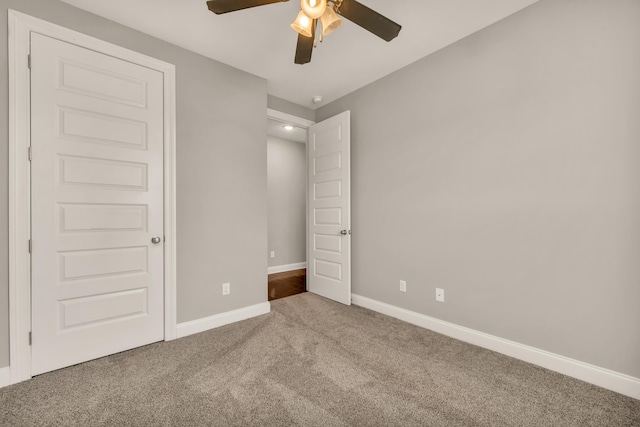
x: 97, y: 200
x: 329, y: 266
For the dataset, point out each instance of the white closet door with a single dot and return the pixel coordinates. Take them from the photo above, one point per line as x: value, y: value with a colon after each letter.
x: 97, y: 202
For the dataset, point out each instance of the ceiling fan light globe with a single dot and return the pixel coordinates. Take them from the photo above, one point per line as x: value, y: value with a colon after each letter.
x: 314, y: 9
x: 330, y: 22
x: 302, y: 24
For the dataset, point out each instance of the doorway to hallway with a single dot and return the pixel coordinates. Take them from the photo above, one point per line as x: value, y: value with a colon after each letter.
x: 287, y: 206
x: 327, y: 202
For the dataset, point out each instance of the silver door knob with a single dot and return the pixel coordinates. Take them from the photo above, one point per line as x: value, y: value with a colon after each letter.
x: 343, y: 232
x: 155, y: 240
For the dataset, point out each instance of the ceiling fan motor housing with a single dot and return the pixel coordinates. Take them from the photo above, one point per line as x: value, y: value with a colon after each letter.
x: 313, y: 8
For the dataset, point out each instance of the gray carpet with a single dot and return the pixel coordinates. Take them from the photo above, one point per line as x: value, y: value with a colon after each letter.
x: 312, y: 362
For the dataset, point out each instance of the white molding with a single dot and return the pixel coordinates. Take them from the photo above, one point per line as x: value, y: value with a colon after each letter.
x: 19, y: 206
x: 288, y: 118
x: 286, y: 267
x: 615, y: 381
x: 20, y: 27
x: 200, y: 325
x: 5, y: 376
x: 170, y: 202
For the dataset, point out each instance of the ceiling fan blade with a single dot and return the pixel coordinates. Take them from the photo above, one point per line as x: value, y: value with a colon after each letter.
x: 223, y: 6
x: 304, y: 49
x: 369, y: 19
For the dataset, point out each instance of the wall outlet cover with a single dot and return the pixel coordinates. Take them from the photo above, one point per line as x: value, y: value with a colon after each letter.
x: 226, y: 288
x: 439, y: 294
x: 403, y: 286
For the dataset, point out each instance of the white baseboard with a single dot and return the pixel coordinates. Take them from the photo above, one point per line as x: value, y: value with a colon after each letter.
x: 615, y: 381
x: 5, y: 376
x: 200, y: 325
x: 286, y: 267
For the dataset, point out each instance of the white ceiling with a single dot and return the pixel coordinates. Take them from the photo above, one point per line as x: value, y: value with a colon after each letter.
x: 260, y: 40
x: 276, y: 128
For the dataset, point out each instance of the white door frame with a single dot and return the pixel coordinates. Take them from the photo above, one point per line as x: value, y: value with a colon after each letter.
x: 288, y: 118
x: 20, y: 27
x: 304, y: 124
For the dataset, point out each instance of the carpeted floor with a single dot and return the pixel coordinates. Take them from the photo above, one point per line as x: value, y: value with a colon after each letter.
x: 312, y: 362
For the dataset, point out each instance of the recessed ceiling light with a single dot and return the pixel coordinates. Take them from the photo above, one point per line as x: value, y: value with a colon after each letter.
x: 288, y: 127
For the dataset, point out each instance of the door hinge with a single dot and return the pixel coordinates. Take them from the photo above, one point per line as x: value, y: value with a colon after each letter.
x: 29, y: 337
x: 29, y: 151
x: 29, y: 61
x: 29, y: 245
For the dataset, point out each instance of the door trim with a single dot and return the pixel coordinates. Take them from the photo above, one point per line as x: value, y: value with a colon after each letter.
x: 20, y: 27
x: 288, y: 118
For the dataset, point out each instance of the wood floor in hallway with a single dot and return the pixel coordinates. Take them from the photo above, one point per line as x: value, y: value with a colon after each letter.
x: 287, y: 283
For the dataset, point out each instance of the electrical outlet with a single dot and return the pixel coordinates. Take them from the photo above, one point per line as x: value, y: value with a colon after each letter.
x: 273, y: 254
x: 226, y: 288
x: 439, y: 295
x: 403, y: 286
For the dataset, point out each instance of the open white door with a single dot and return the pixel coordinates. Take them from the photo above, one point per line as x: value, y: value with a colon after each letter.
x: 329, y: 224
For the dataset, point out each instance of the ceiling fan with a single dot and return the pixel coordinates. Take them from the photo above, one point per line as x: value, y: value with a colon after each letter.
x: 324, y: 10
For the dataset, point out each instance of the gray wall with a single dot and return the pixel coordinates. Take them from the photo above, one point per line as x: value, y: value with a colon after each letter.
x: 504, y: 169
x: 221, y: 168
x: 288, y: 107
x: 287, y: 190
